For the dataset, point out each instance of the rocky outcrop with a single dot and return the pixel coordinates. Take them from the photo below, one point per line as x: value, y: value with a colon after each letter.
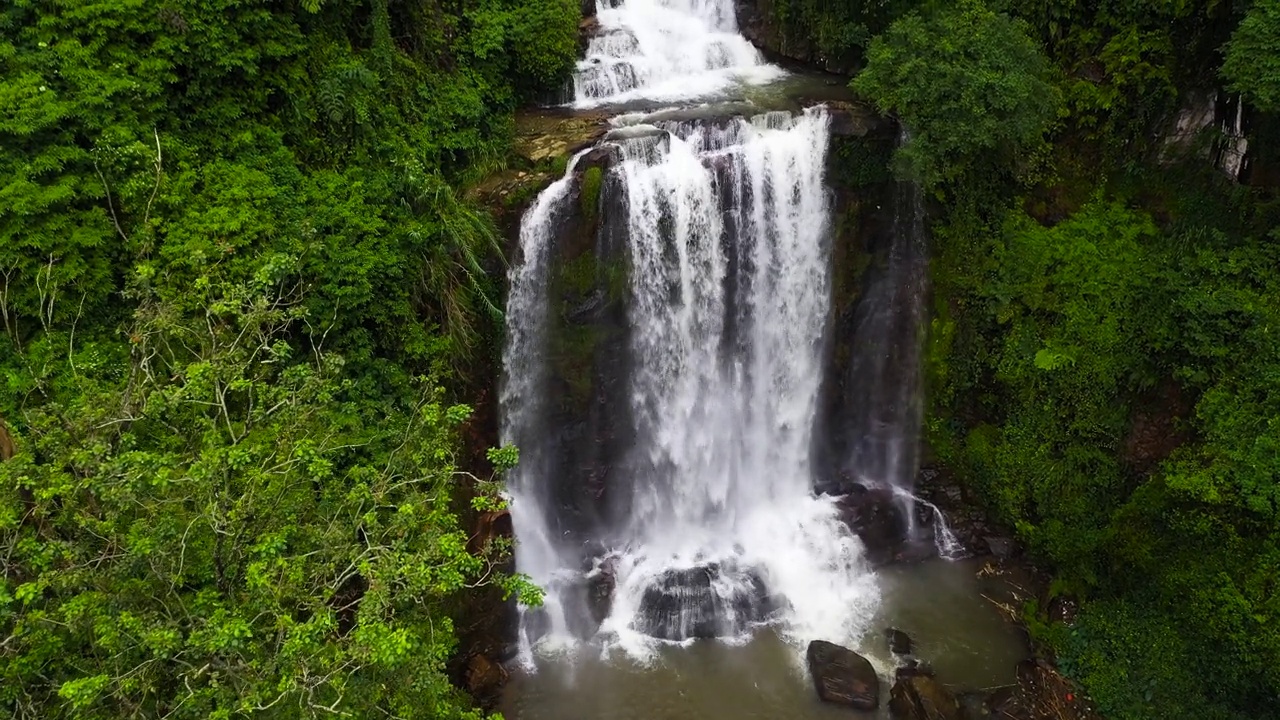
x: 967, y: 519
x: 842, y: 676
x: 879, y: 517
x: 790, y: 42
x: 544, y: 134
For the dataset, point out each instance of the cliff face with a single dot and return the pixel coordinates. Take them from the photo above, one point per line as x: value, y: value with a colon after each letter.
x: 790, y: 39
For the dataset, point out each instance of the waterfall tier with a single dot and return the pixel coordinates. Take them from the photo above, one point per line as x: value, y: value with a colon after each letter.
x: 667, y: 51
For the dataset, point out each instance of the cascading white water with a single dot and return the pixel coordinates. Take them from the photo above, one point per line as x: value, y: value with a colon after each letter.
x: 726, y: 381
x: 726, y: 227
x: 727, y: 233
x: 666, y: 50
x: 522, y: 397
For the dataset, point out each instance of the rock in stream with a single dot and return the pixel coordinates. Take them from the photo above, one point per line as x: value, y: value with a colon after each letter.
x: 842, y: 676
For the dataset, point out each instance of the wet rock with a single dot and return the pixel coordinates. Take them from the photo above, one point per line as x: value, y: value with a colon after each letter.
x: 587, y: 29
x: 921, y: 697
x: 588, y: 8
x: 842, y: 676
x: 973, y: 705
x: 912, y: 668
x: 535, y: 624
x: 899, y: 641
x: 603, y: 157
x: 601, y: 584
x: 702, y: 602
x: 878, y: 519
x: 484, y: 676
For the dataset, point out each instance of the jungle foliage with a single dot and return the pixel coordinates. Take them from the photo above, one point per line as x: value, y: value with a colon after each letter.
x: 1104, y: 358
x: 241, y: 295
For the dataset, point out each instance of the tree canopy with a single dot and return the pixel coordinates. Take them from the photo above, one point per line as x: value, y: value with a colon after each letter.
x: 244, y: 302
x: 966, y: 82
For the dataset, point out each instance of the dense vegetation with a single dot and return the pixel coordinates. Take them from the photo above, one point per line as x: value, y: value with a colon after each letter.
x: 241, y: 297
x: 1105, y: 362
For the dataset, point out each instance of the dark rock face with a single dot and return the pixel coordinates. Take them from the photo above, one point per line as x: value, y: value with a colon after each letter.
x: 879, y: 518
x: 921, y: 697
x: 758, y: 22
x: 842, y: 676
x: 703, y: 602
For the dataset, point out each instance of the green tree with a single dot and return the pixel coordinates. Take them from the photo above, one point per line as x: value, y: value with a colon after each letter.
x: 1252, y: 60
x: 969, y: 85
x: 234, y: 529
x: 241, y: 293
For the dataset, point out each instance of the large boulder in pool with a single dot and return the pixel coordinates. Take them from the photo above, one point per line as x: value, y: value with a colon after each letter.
x: 706, y: 601
x: 922, y: 697
x: 842, y: 676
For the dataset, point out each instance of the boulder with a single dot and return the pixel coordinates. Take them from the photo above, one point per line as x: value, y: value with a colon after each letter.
x: 601, y: 582
x: 899, y: 641
x: 842, y: 676
x: 921, y: 697
x: 543, y: 134
x: 707, y: 601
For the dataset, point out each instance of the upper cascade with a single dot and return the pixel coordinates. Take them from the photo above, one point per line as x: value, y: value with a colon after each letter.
x: 666, y: 51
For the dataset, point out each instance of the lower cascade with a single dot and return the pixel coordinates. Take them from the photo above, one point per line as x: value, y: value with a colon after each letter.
x: 707, y: 524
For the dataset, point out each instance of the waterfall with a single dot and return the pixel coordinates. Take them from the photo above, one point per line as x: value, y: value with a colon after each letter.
x: 885, y: 384
x: 666, y: 50
x: 724, y: 224
x: 729, y: 234
x: 522, y: 399
x: 727, y: 231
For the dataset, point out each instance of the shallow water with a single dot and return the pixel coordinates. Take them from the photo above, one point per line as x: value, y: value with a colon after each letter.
x: 939, y: 603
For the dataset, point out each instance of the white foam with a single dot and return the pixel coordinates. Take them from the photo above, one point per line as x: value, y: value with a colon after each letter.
x: 666, y: 51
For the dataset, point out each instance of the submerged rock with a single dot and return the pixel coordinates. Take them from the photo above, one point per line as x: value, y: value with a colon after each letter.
x: 842, y: 676
x: 921, y: 697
